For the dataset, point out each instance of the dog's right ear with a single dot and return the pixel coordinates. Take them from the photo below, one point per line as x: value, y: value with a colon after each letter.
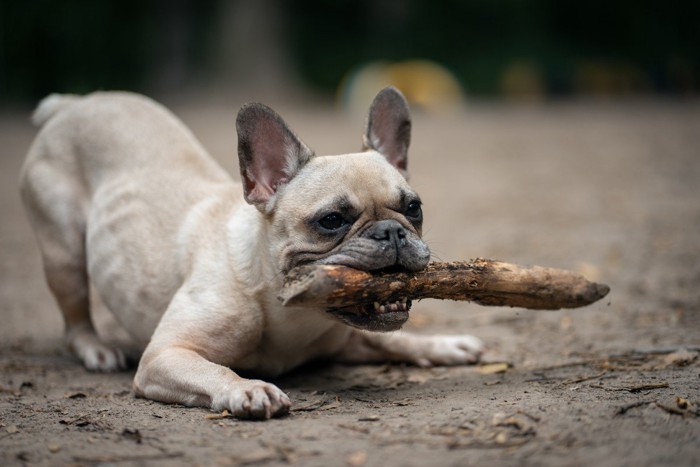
x: 269, y: 154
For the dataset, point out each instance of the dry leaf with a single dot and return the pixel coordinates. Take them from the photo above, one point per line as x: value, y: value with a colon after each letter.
x: 493, y: 368
x: 682, y: 403
x: 418, y: 379
x: 681, y: 357
x: 219, y: 416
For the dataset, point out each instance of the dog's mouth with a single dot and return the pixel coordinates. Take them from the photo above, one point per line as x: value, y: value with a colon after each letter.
x: 375, y: 316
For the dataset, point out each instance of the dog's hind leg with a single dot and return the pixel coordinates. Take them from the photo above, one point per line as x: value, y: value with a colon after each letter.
x: 54, y: 203
x: 425, y: 351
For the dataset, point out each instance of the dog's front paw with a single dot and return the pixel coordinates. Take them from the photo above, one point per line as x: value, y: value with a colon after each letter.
x: 253, y: 399
x: 447, y: 350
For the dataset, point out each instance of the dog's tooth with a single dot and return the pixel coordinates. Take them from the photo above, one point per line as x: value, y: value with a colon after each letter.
x: 376, y: 306
x: 404, y: 300
x: 382, y: 308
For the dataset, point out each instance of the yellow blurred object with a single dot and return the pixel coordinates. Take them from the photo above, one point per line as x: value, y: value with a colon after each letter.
x: 425, y: 84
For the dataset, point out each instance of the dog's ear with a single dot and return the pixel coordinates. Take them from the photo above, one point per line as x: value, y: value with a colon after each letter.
x: 389, y: 128
x: 269, y: 153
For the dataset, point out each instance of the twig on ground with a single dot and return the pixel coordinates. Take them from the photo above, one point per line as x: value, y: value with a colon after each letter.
x: 625, y: 408
x: 634, y: 389
x: 586, y: 378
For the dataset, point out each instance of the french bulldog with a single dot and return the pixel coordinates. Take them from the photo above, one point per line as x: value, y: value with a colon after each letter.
x: 122, y: 196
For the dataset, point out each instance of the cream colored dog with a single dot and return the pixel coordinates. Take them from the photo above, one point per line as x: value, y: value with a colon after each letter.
x: 122, y: 195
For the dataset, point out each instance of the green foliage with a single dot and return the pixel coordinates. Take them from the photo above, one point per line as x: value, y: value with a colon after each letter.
x: 82, y: 45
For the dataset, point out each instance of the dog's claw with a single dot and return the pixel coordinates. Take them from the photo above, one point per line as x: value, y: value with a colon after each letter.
x: 256, y: 400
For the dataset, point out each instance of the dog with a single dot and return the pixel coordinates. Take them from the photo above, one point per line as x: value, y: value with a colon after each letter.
x: 122, y: 196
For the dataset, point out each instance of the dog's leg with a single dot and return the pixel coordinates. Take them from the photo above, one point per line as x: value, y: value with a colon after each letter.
x: 69, y: 285
x: 425, y: 351
x: 183, y: 376
x: 54, y: 208
x: 189, y: 358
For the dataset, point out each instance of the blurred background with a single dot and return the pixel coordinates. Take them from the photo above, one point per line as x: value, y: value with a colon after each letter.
x: 439, y: 51
x: 550, y: 132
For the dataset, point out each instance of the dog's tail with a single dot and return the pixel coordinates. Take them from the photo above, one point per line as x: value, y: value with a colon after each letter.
x: 50, y: 106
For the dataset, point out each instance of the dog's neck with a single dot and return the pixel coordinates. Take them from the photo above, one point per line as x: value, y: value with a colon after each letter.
x: 249, y: 249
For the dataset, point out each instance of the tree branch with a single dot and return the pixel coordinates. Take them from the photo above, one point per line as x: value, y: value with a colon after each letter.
x: 486, y: 282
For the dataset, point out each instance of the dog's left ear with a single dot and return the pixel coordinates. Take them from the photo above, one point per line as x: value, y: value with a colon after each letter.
x: 389, y: 128
x: 269, y: 153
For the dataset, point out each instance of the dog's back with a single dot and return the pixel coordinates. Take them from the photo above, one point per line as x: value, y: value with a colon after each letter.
x: 112, y: 172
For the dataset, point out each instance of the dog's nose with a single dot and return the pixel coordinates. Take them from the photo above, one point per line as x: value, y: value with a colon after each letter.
x: 387, y: 231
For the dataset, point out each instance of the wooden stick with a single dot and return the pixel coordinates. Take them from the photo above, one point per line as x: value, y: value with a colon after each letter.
x: 483, y: 281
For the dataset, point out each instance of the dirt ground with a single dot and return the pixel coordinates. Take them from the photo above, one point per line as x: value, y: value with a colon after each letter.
x: 609, y: 190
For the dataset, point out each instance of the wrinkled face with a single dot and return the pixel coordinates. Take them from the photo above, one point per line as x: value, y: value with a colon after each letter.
x: 354, y: 210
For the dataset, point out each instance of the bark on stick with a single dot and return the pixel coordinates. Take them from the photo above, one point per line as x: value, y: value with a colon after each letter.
x: 486, y: 282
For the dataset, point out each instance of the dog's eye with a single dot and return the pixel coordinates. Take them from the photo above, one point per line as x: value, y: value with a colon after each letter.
x: 332, y: 221
x: 414, y: 210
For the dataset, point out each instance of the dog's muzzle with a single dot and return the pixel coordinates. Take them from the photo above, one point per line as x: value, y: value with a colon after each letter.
x: 385, y: 244
x: 392, y: 248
